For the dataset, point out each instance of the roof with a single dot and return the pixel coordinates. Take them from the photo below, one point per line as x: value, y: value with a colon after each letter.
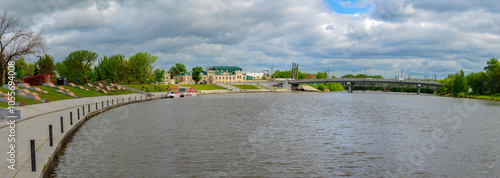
x: 189, y: 73
x: 226, y: 68
x: 310, y: 76
x: 250, y: 77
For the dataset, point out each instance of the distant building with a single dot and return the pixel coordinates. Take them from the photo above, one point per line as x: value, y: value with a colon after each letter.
x: 215, y: 74
x: 310, y: 76
x: 167, y: 79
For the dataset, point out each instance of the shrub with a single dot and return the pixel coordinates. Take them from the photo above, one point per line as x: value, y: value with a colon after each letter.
x: 321, y: 87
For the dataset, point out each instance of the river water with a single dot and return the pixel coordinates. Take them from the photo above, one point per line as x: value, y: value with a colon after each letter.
x: 368, y: 134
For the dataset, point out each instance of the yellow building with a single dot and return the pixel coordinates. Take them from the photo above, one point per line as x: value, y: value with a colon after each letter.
x: 215, y: 74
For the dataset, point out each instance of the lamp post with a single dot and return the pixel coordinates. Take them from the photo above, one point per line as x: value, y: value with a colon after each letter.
x: 41, y: 69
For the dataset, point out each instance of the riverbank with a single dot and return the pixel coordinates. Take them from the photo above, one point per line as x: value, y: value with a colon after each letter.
x: 34, y: 125
x: 495, y: 97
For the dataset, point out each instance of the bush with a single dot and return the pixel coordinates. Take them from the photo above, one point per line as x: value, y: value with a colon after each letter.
x: 321, y: 87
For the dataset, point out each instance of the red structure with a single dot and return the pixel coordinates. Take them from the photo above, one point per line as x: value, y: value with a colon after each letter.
x: 39, y: 80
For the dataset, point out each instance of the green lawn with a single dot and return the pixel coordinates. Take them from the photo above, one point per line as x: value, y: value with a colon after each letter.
x: 52, y: 95
x: 19, y: 99
x: 149, y: 88
x: 55, y: 96
x: 205, y: 87
x: 247, y: 87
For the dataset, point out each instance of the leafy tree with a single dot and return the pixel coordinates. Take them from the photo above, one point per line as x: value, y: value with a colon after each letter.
x: 493, y: 75
x: 287, y: 74
x: 321, y: 75
x: 459, y: 83
x: 141, y: 66
x: 263, y: 77
x: 348, y: 76
x: 158, y: 75
x: 17, y: 40
x: 76, y: 65
x: 197, y: 73
x: 30, y: 68
x: 46, y: 63
x: 321, y: 87
x: 477, y: 82
x: 177, y: 69
x: 112, y: 69
x: 20, y: 68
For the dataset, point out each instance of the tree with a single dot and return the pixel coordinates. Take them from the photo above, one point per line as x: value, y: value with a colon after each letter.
x: 76, y: 66
x: 46, y: 63
x: 287, y: 74
x: 321, y: 75
x: 177, y: 69
x: 20, y: 68
x: 477, y: 82
x: 197, y: 73
x: 493, y: 75
x: 17, y: 40
x: 141, y: 66
x: 264, y: 77
x: 158, y: 75
x: 459, y: 83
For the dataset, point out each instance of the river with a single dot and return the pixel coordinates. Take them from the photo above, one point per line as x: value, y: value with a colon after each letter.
x: 369, y: 134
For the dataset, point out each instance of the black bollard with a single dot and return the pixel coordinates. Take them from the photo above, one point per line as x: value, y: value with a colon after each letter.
x: 129, y: 99
x: 102, y: 104
x: 112, y: 102
x: 62, y: 125
x: 135, y: 98
x: 107, y: 101
x: 50, y: 136
x: 83, y: 110
x: 141, y: 97
x: 78, y: 110
x: 96, y: 106
x: 123, y: 99
x: 33, y: 159
x: 70, y: 118
x: 88, y: 108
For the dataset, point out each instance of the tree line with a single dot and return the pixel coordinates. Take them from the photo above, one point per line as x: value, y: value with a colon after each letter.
x: 85, y: 66
x: 485, y: 82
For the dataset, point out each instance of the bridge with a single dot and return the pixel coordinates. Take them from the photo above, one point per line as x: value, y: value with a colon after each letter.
x: 371, y: 82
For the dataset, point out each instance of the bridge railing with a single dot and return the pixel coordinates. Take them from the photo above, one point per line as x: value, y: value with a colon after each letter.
x: 368, y: 80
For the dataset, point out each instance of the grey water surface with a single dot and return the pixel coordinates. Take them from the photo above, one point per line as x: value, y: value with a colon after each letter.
x: 371, y: 134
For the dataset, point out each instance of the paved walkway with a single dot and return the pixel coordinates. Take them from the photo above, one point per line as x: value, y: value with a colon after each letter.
x: 35, y: 126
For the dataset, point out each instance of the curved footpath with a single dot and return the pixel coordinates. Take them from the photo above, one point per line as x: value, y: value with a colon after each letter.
x: 34, y: 125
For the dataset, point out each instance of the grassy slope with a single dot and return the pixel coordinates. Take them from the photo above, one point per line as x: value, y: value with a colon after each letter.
x: 205, y: 87
x: 55, y: 96
x: 246, y: 87
x: 19, y: 99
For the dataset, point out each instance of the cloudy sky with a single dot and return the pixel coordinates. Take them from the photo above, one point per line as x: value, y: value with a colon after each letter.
x: 385, y: 36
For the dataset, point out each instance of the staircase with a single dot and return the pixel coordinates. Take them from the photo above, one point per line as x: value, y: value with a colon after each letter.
x: 230, y: 88
x: 134, y: 90
x: 308, y: 88
x: 266, y: 87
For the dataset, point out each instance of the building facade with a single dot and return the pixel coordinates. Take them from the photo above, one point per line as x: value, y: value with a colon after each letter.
x: 215, y: 74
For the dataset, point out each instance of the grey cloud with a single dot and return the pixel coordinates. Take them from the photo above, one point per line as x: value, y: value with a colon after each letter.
x: 420, y: 36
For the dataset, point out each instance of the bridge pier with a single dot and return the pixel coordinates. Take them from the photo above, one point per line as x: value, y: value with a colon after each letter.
x: 418, y: 89
x: 349, y: 87
x: 295, y: 87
